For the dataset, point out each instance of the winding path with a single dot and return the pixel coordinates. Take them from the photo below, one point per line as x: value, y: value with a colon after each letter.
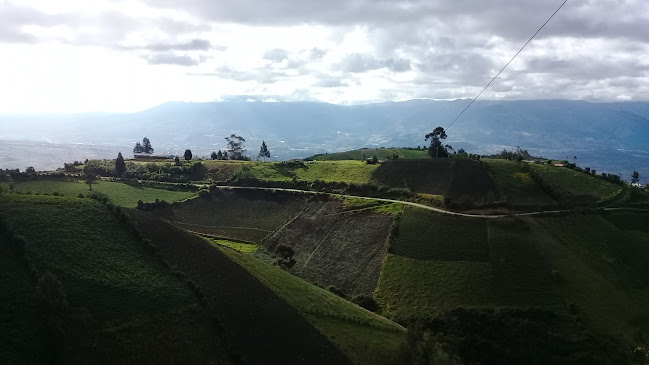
x: 418, y: 205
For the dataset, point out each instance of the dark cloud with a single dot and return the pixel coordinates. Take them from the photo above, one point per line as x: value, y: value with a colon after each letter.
x: 358, y: 63
x: 259, y: 75
x: 110, y: 28
x: 330, y: 82
x: 276, y: 55
x: 192, y: 45
x: 172, y: 59
x: 316, y: 54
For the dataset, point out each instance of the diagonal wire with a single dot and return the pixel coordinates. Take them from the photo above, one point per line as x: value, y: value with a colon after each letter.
x: 510, y: 61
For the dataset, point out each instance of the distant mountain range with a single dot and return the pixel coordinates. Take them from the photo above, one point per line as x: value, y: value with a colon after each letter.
x: 611, y: 137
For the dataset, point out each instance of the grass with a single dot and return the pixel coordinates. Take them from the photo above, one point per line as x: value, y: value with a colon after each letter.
x: 427, y: 235
x: 235, y: 215
x: 588, y: 253
x: 411, y: 288
x: 356, y: 172
x: 110, y: 282
x: 22, y: 332
x: 577, y: 183
x: 462, y: 181
x: 119, y: 193
x: 517, y: 185
x: 365, y: 153
x: 521, y: 275
x: 364, y: 337
x: 101, y: 266
x: 630, y: 221
x: 248, y: 248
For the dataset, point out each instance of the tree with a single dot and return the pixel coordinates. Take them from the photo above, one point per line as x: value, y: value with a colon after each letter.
x: 146, y: 145
x: 235, y: 147
x: 436, y: 149
x: 263, y: 151
x: 188, y: 155
x: 219, y: 155
x: 90, y: 179
x: 120, y: 165
x: 30, y: 170
x: 177, y: 161
x: 635, y: 177
x: 138, y: 148
x: 214, y: 156
x: 285, y: 253
x: 225, y: 155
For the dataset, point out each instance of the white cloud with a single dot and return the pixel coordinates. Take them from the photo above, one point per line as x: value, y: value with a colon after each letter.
x: 105, y: 55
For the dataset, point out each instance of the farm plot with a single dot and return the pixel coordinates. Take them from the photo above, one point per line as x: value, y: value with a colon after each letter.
x: 101, y: 266
x: 417, y: 288
x: 115, y: 290
x: 462, y: 181
x: 577, y: 183
x: 236, y: 215
x: 366, y: 338
x: 518, y: 186
x: 336, y: 247
x: 427, y: 235
x: 240, y: 301
x: 119, y: 193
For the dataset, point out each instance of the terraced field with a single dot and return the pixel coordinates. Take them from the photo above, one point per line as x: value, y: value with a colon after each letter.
x: 335, y: 246
x: 380, y: 153
x: 111, y: 284
x: 427, y: 235
x: 364, y: 337
x: 119, y: 193
x: 246, y: 216
x: 520, y: 190
x: 240, y: 301
x: 577, y: 183
x: 462, y: 181
x: 585, y: 265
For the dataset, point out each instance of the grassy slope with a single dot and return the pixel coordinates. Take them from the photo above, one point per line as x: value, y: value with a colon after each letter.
x: 365, y: 337
x: 347, y: 171
x: 262, y: 327
x: 426, y: 235
x: 248, y: 216
x: 461, y: 180
x: 110, y: 279
x: 410, y: 287
x: 119, y: 193
x: 517, y: 185
x: 365, y: 153
x: 600, y: 270
x: 22, y: 332
x: 577, y: 183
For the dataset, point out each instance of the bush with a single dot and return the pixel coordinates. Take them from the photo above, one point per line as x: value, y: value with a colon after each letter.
x: 339, y: 292
x: 81, y: 196
x: 366, y: 302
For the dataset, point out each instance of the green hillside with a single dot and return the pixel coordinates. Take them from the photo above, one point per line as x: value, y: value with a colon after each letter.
x: 115, y: 291
x: 119, y: 193
x: 577, y: 183
x: 247, y: 216
x: 365, y: 153
x: 590, y: 266
x: 363, y: 336
x: 462, y: 181
x: 518, y: 186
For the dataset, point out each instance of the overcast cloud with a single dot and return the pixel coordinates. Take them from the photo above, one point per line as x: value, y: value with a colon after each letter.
x: 105, y: 55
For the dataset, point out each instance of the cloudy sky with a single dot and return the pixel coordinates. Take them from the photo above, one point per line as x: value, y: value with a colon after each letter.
x: 104, y: 55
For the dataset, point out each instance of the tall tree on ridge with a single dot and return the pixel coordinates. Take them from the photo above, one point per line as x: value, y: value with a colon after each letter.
x: 120, y: 165
x: 263, y: 151
x: 436, y: 148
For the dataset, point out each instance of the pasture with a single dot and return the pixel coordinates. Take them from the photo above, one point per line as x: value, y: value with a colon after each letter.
x: 119, y: 193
